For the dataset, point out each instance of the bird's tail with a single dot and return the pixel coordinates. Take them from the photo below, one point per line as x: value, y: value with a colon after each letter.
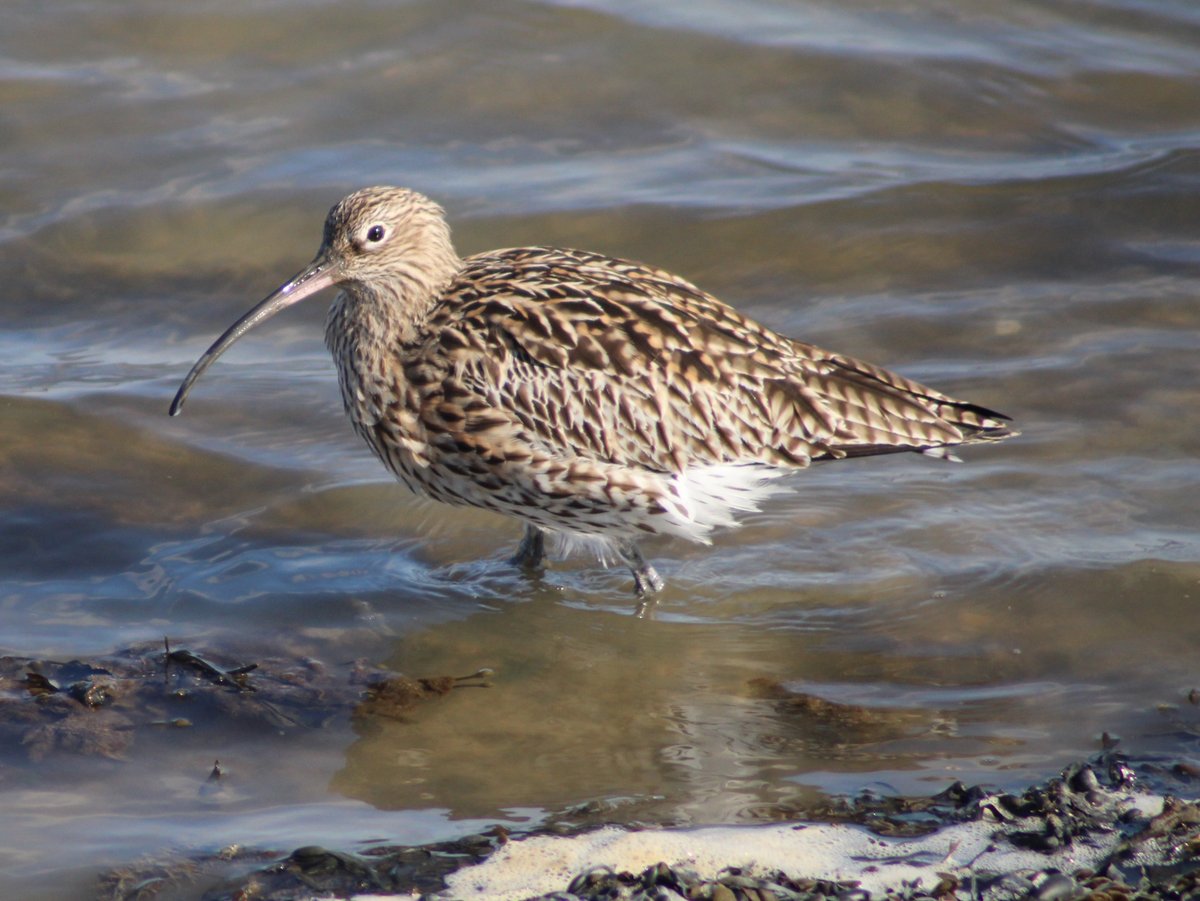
x: 977, y: 423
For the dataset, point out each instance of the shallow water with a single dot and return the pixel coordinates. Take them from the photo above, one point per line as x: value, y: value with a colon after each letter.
x: 1000, y: 200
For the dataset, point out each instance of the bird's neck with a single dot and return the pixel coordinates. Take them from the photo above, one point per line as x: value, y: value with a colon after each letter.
x: 389, y: 313
x: 368, y: 329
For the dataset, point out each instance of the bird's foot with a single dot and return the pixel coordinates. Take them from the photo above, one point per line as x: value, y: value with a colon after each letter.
x: 531, y: 552
x: 645, y: 580
x: 647, y: 583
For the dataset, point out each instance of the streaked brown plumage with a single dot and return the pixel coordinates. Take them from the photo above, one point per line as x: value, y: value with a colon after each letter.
x: 593, y: 397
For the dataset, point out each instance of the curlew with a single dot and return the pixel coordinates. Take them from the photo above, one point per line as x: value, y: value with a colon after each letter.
x: 597, y: 398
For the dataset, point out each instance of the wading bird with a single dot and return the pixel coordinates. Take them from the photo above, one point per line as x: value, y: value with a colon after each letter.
x: 593, y: 397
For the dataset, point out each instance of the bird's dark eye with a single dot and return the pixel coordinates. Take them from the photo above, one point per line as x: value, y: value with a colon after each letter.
x: 375, y: 234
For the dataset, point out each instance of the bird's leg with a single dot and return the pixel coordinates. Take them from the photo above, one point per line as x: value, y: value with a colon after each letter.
x: 531, y: 552
x: 645, y: 579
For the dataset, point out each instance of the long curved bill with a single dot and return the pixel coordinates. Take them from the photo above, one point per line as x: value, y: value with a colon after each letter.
x: 318, y: 275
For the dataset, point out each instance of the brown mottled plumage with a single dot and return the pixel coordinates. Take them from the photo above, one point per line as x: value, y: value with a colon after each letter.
x: 593, y: 397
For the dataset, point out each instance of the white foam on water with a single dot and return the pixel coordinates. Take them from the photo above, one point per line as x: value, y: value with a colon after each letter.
x: 539, y: 865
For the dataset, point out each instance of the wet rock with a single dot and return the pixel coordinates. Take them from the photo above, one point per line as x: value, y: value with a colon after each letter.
x: 1156, y: 856
x: 96, y: 736
x: 98, y: 708
x: 1055, y: 887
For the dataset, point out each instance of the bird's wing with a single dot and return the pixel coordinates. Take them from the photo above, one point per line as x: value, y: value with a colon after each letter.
x: 611, y: 360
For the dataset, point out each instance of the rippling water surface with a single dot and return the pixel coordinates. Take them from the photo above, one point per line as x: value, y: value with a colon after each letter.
x: 1002, y: 200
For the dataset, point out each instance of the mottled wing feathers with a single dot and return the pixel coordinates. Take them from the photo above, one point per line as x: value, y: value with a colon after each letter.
x: 614, y: 361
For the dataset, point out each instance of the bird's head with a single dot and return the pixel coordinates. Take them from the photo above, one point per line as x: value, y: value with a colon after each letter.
x: 380, y: 235
x: 378, y: 242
